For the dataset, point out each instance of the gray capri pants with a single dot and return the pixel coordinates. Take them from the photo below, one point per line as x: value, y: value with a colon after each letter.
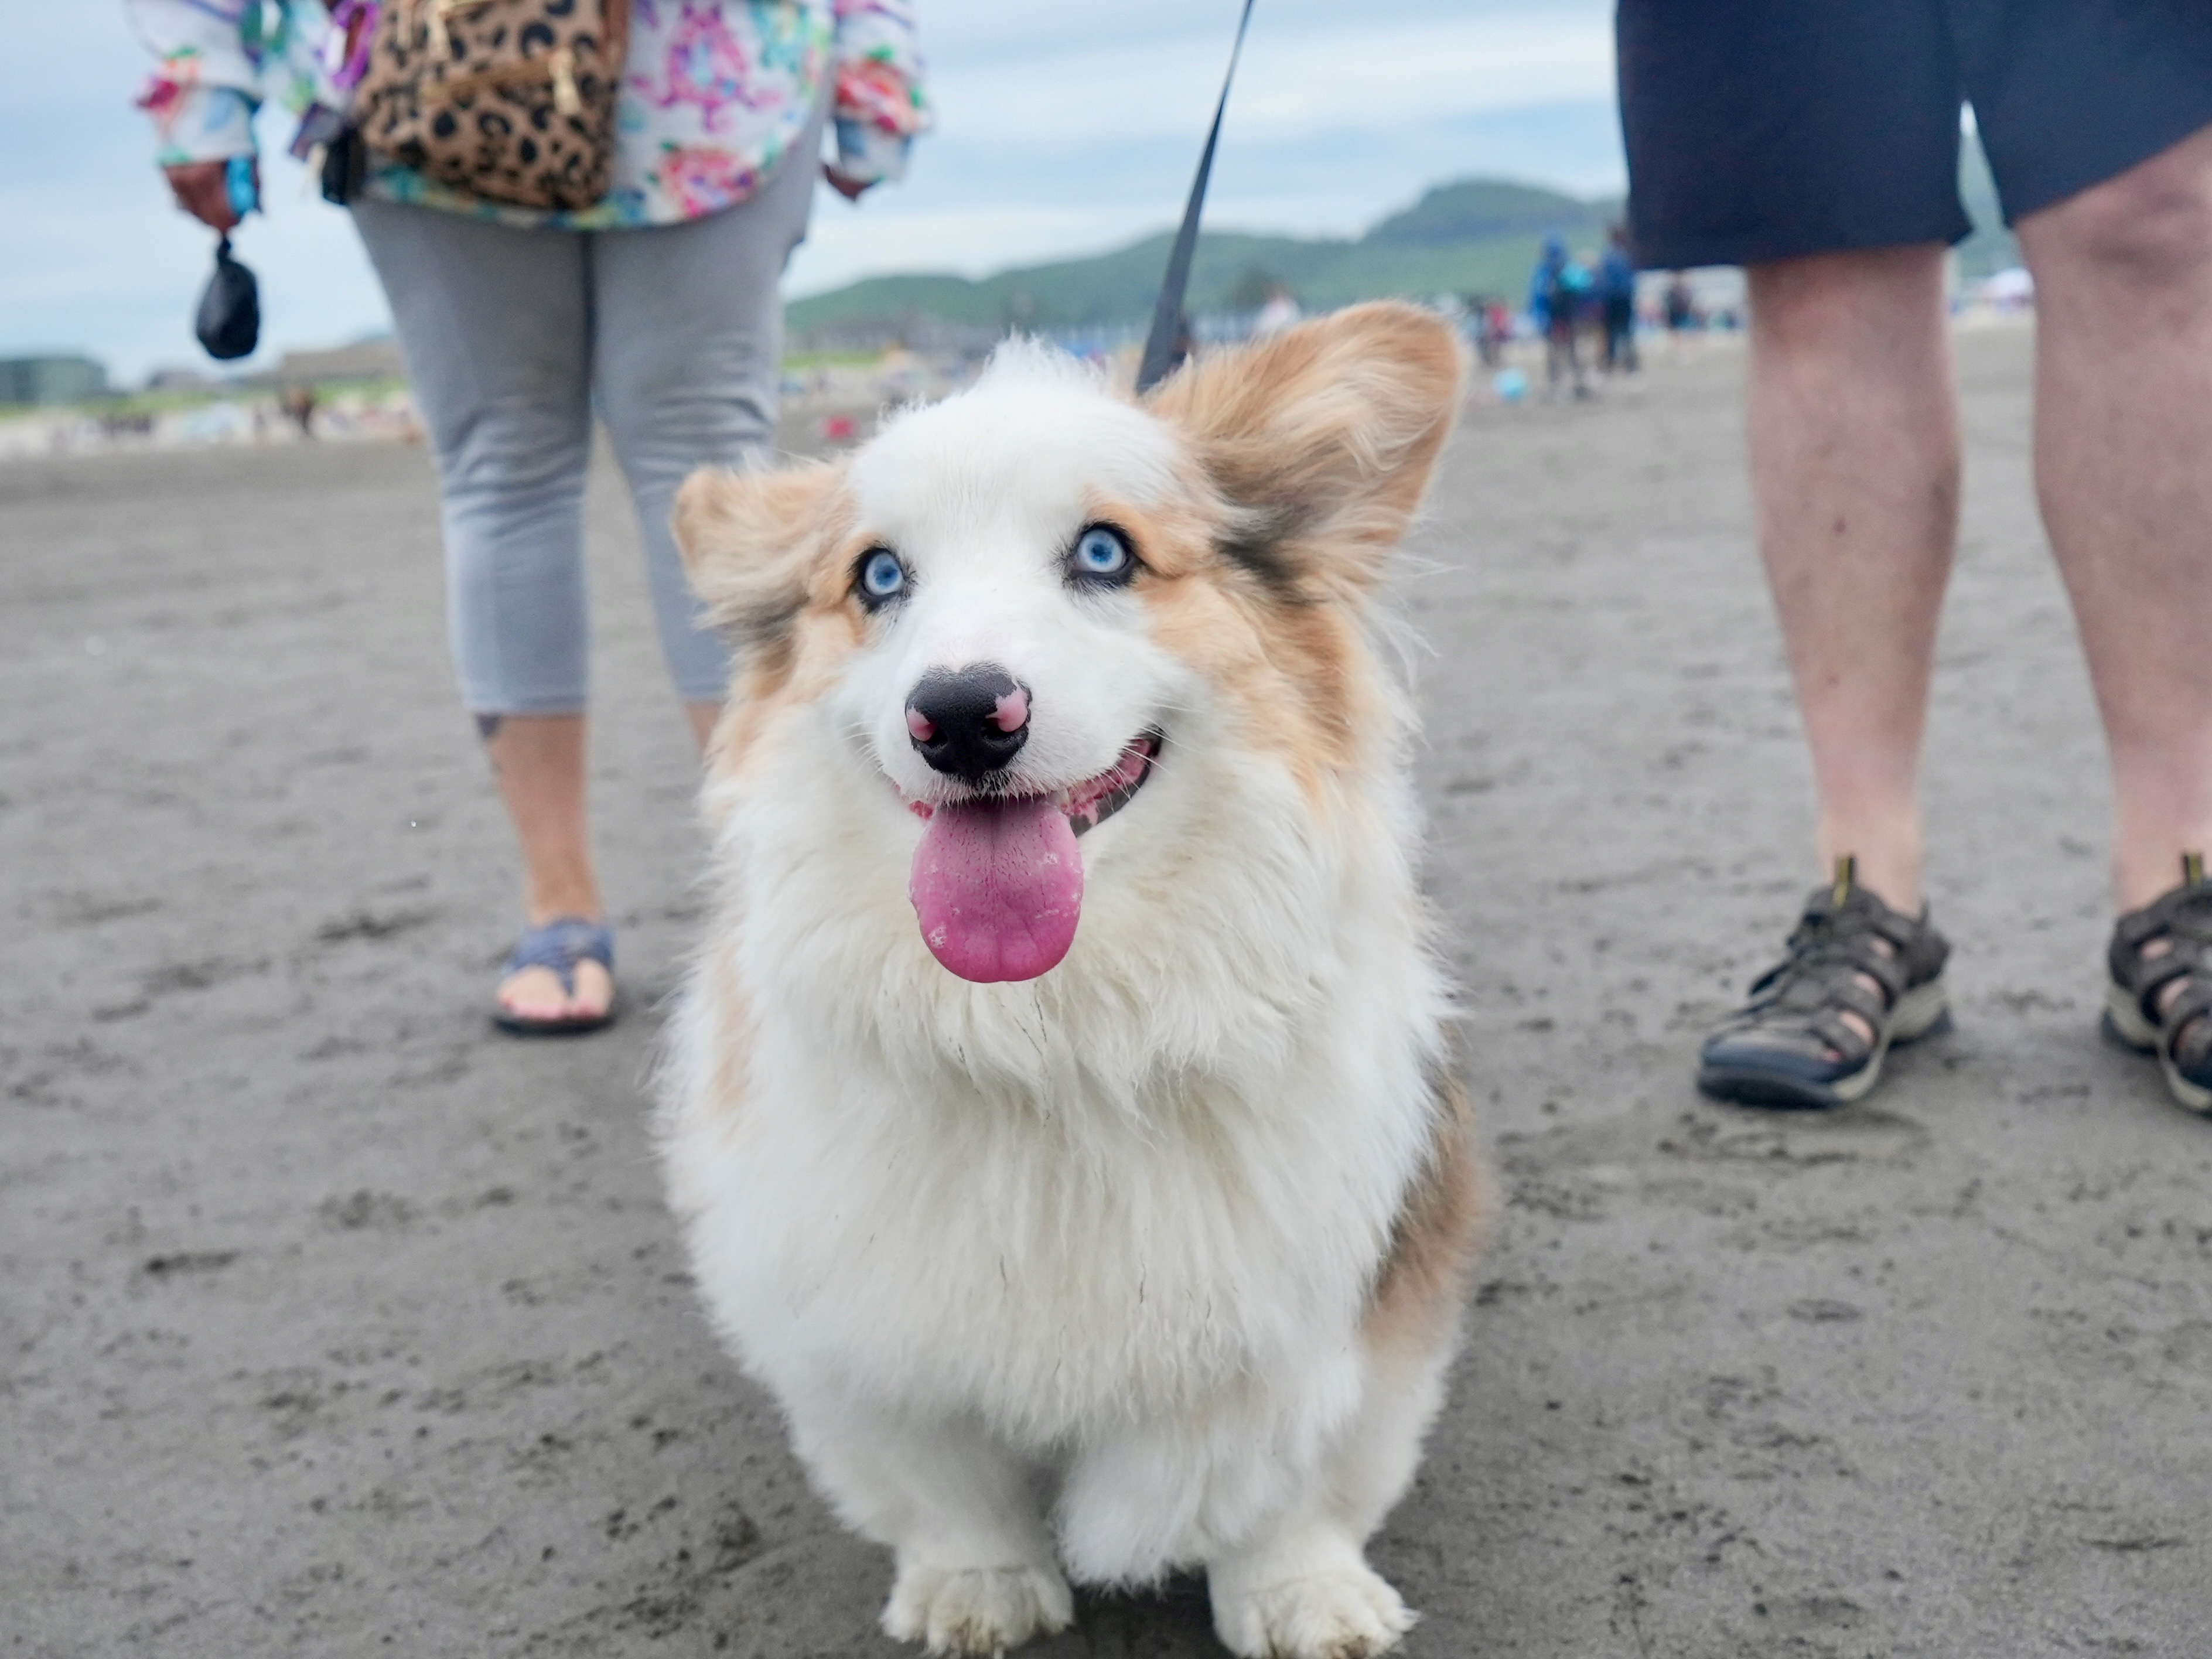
x: 510, y: 335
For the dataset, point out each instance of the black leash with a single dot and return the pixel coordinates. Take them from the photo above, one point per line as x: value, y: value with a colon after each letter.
x: 1167, y: 316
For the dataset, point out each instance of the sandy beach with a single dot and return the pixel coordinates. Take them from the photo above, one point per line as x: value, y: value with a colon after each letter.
x: 333, y: 1323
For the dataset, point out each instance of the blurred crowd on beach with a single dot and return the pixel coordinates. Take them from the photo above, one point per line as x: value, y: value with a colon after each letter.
x: 1610, y: 315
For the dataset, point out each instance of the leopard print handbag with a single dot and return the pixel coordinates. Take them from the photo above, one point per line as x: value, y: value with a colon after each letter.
x: 512, y: 101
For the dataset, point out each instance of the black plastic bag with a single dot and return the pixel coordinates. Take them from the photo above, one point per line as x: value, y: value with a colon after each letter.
x: 345, y: 166
x: 230, y: 320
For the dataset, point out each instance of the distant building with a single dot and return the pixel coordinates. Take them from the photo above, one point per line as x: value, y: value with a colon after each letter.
x: 181, y: 380
x: 51, y: 380
x: 364, y: 360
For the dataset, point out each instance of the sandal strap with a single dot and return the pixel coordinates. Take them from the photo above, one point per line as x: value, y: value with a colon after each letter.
x: 2159, y: 972
x: 2188, y: 1009
x: 1840, y: 1034
x: 559, y: 944
x: 2181, y: 918
x: 1837, y: 966
x: 1817, y: 1002
x: 1847, y: 995
x: 1832, y: 965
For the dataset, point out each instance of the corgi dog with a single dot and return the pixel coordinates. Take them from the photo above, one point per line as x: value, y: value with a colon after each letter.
x: 1058, y: 1109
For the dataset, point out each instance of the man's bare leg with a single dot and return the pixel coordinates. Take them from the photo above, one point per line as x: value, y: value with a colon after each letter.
x: 1855, y: 469
x: 2123, y: 469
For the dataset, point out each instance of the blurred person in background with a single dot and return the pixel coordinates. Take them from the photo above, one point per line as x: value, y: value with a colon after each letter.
x: 1558, y: 289
x: 1679, y: 304
x: 1549, y: 263
x: 1818, y: 147
x: 1616, y: 295
x: 657, y: 306
x: 1279, y: 311
x: 1501, y: 325
x: 1482, y: 322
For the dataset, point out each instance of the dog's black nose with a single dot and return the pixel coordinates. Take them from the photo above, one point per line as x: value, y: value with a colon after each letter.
x: 968, y: 722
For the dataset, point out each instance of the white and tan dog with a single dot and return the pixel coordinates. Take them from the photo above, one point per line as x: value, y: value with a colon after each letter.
x: 1116, y: 1216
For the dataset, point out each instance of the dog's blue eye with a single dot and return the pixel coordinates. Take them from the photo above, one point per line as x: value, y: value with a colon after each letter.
x: 1101, y: 554
x: 883, y: 577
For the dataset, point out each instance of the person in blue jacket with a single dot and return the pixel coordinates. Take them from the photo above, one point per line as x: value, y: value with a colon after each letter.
x: 1616, y: 291
x: 1558, y: 291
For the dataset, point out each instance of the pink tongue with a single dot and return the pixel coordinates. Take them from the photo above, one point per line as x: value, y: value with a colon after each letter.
x: 998, y: 886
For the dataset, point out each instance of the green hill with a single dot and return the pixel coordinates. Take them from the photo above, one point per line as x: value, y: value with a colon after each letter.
x: 1476, y: 235
x: 1484, y: 209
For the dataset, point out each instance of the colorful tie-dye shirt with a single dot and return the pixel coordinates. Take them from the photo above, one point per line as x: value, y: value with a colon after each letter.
x: 714, y: 93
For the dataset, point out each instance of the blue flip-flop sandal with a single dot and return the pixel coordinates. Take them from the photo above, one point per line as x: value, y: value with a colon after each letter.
x: 559, y: 944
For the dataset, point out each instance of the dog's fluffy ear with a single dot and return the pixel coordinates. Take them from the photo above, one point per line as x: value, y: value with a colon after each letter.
x: 748, y: 539
x: 1322, y: 439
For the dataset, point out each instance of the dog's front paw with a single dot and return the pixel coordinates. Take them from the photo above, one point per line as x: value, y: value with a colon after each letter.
x: 981, y: 1610
x: 1343, y: 1612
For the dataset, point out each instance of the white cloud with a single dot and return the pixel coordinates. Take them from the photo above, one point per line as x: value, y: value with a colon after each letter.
x: 1341, y: 79
x: 843, y: 243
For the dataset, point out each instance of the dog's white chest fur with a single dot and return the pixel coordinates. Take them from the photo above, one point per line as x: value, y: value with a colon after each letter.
x: 1048, y: 1263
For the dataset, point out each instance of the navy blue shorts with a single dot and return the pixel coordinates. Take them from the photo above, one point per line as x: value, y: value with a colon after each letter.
x: 1764, y: 129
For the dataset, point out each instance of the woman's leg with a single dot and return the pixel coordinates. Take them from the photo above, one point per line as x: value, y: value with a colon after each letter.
x: 687, y: 357
x: 494, y: 326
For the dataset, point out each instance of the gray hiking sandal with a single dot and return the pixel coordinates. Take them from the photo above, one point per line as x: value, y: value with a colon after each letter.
x: 2168, y: 941
x: 1791, y: 1045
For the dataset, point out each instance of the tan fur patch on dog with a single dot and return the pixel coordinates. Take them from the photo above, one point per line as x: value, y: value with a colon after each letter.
x: 770, y: 553
x: 1321, y: 442
x: 726, y: 1088
x: 1422, y: 1286
x: 1313, y: 449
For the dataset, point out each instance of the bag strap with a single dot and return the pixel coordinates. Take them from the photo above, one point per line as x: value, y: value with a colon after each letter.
x: 1159, y: 345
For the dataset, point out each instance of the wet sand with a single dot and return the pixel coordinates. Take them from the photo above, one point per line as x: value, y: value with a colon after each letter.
x: 333, y: 1322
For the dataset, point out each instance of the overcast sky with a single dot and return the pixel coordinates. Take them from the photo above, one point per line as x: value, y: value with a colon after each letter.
x: 1063, y: 128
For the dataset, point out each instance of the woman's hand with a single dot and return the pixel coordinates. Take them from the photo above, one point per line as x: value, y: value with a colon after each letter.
x: 202, y: 190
